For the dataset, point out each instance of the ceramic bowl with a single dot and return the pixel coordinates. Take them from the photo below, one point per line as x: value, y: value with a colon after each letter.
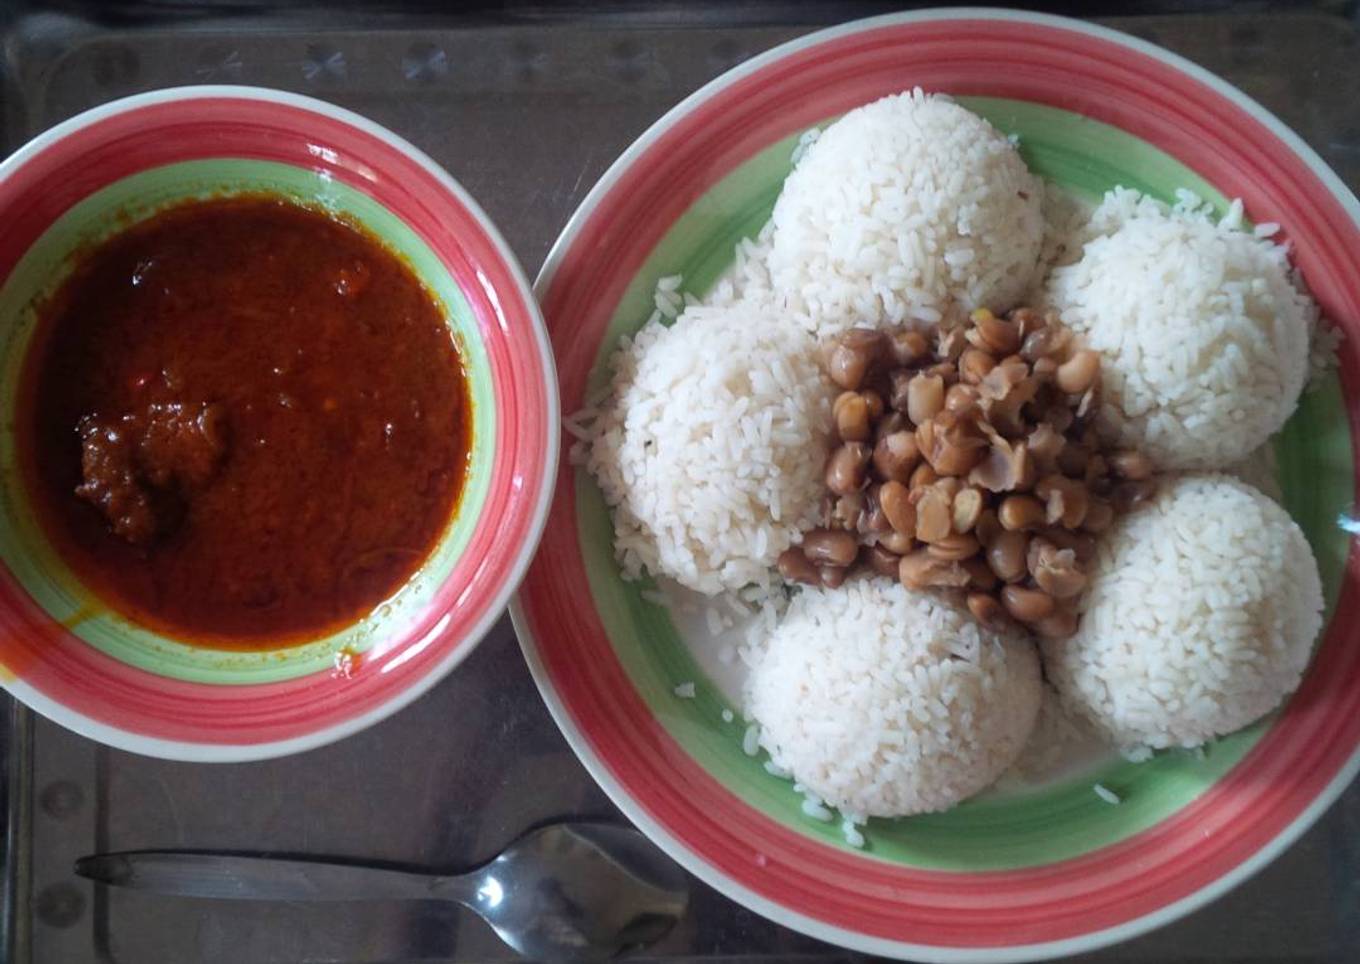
x: 78, y: 662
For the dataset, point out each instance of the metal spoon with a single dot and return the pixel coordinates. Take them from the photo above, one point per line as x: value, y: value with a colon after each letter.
x: 565, y: 892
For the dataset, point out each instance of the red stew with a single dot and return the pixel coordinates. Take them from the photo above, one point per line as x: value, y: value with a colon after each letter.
x: 243, y: 422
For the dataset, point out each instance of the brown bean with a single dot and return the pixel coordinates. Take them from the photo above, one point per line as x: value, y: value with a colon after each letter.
x: 1133, y: 466
x: 974, y: 364
x: 946, y: 371
x: 1060, y: 624
x: 796, y: 567
x: 1019, y: 512
x: 952, y: 444
x: 1055, y: 570
x: 907, y: 347
x: 1079, y: 372
x: 925, y: 397
x: 899, y: 543
x: 851, y: 413
x: 1079, y: 542
x: 999, y: 337
x: 948, y: 486
x: 925, y: 438
x: 956, y: 547
x: 986, y: 609
x: 1006, y: 555
x: 949, y: 344
x: 830, y: 547
x: 895, y: 500
x: 1045, y: 444
x: 898, y: 382
x: 1044, y: 369
x: 1065, y: 500
x: 1044, y: 344
x: 1027, y: 320
x: 833, y: 577
x: 846, y: 470
x: 873, y: 519
x: 874, y: 403
x: 1003, y: 468
x: 854, y: 354
x: 890, y: 422
x: 1039, y: 549
x: 1061, y: 582
x: 960, y: 398
x: 920, y: 570
x: 847, y: 511
x: 934, y: 515
x: 1027, y: 605
x: 881, y: 561
x: 967, y: 509
x: 896, y: 456
x: 922, y: 477
x: 980, y: 574
x: 1099, y: 516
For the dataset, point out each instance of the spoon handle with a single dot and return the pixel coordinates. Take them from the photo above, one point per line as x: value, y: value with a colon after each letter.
x: 239, y: 877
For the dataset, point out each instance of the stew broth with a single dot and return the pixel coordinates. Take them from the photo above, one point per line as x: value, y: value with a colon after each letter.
x: 243, y: 422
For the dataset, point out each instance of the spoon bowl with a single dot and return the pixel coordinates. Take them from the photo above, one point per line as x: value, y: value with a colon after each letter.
x: 577, y: 892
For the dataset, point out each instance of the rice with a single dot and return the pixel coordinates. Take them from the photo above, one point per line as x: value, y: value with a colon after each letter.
x: 1059, y: 736
x: 1200, y: 619
x: 710, y: 446
x: 904, y: 210
x: 862, y: 695
x: 1106, y: 794
x: 1203, y: 334
x: 852, y: 834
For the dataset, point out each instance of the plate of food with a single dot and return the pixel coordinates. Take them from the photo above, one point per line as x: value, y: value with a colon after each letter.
x: 280, y: 423
x: 953, y: 557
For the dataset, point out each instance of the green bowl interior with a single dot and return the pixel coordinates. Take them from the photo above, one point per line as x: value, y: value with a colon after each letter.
x: 25, y: 550
x: 1001, y: 829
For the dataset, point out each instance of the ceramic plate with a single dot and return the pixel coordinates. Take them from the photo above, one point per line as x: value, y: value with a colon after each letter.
x: 1017, y: 874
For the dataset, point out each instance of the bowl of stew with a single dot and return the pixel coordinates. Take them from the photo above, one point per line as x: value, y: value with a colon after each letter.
x: 280, y: 423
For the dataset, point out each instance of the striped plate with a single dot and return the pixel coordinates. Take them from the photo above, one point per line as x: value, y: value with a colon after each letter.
x: 70, y: 658
x: 1012, y: 876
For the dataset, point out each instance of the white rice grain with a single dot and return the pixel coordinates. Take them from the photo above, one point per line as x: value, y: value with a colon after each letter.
x: 1203, y: 334
x: 708, y: 448
x: 1106, y: 794
x: 862, y: 696
x: 902, y: 211
x: 1200, y: 618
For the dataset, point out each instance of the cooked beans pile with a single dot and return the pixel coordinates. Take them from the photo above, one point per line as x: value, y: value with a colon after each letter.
x: 966, y: 460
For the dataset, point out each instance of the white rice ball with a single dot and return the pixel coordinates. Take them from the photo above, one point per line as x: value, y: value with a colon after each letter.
x: 1204, y: 337
x: 1201, y: 616
x: 885, y: 702
x: 903, y: 210
x: 711, y: 446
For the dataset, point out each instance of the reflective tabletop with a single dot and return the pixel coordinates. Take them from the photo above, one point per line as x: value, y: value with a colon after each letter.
x: 526, y: 114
